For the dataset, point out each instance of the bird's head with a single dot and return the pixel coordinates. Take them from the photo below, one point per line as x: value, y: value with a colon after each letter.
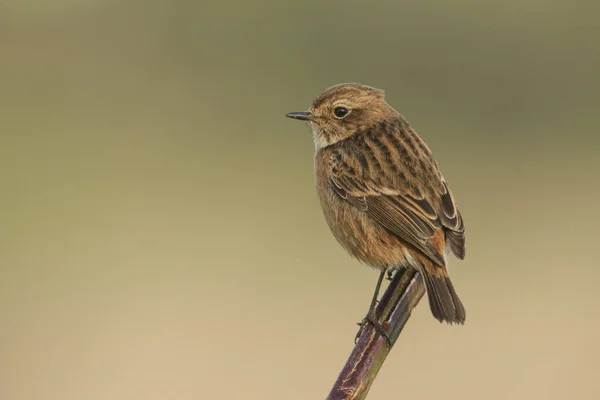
x: 343, y: 110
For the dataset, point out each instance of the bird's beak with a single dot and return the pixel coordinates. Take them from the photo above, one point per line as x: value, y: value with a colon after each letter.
x: 301, y: 115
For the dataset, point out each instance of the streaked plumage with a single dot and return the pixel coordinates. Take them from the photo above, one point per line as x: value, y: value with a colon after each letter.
x: 382, y: 193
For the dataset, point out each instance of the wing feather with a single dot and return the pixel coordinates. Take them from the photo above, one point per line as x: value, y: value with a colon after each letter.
x: 407, y: 205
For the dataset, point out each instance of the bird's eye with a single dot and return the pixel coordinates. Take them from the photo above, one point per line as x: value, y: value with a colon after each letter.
x: 340, y: 112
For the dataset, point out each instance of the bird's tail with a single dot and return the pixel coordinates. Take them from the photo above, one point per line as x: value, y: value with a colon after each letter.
x: 443, y: 300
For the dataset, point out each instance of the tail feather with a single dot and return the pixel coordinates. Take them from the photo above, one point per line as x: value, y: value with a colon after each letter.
x: 443, y: 300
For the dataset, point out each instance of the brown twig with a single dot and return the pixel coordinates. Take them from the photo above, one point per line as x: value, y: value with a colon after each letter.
x: 402, y: 295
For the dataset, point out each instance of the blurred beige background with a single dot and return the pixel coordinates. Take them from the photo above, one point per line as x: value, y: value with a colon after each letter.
x: 160, y: 235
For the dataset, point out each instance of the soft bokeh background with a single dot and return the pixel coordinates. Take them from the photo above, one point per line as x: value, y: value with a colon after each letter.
x: 160, y: 237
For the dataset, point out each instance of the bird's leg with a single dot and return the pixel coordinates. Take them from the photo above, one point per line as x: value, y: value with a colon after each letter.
x: 371, y: 318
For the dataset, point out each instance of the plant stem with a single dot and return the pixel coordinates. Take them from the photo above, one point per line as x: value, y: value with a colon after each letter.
x: 394, y: 309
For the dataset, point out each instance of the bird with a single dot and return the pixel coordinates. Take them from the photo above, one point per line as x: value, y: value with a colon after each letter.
x: 382, y: 193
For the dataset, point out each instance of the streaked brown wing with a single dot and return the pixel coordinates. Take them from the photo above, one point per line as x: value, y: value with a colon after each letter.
x: 396, y: 214
x: 412, y: 203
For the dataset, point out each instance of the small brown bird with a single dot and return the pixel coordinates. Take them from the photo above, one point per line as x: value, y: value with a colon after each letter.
x: 382, y: 193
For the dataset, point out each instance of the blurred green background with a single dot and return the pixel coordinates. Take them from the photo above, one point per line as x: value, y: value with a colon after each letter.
x: 161, y: 238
